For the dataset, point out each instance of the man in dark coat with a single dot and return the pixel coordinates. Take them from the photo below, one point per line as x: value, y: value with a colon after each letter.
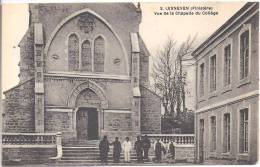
x: 147, y: 145
x: 139, y: 149
x: 171, y: 149
x: 116, y: 150
x: 159, y: 148
x: 104, y: 149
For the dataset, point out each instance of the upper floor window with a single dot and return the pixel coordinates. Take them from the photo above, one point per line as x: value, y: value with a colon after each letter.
x: 86, y: 57
x: 90, y: 59
x: 226, y: 134
x: 73, y: 52
x: 213, y: 133
x: 202, y: 75
x: 213, y: 73
x: 244, y: 54
x: 243, y: 133
x: 227, y: 64
x: 99, y: 54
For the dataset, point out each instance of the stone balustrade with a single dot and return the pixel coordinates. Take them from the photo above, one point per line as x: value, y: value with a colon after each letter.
x: 180, y: 139
x: 184, y: 148
x: 10, y: 140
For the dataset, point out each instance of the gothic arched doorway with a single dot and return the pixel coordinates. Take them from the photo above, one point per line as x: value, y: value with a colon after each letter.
x: 88, y: 100
x: 87, y: 117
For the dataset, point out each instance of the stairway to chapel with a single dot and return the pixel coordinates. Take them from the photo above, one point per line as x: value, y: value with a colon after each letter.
x: 78, y: 153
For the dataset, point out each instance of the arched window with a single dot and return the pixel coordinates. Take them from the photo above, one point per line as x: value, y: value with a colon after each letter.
x: 86, y: 58
x: 73, y: 52
x: 99, y: 54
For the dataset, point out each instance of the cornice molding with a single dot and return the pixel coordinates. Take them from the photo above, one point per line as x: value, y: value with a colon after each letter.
x: 86, y: 75
x: 228, y: 101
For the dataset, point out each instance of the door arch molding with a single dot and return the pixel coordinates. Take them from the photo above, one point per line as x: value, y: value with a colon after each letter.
x: 71, y: 102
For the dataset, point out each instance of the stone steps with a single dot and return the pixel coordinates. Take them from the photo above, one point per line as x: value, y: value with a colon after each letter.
x: 87, y: 153
x: 121, y: 163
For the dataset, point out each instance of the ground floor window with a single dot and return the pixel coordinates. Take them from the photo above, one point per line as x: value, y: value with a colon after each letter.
x: 243, y: 131
x: 213, y: 132
x: 226, y: 135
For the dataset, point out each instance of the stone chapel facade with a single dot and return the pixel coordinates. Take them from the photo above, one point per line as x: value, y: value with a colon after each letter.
x: 84, y: 71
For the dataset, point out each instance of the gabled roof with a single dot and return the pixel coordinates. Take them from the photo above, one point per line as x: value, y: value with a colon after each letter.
x: 149, y: 90
x: 24, y: 37
x: 20, y: 84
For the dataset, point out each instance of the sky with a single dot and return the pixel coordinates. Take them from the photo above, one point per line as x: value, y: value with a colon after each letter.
x: 154, y: 29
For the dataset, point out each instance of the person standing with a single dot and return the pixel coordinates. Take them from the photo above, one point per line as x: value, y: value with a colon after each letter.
x: 104, y: 149
x: 147, y: 145
x: 171, y: 148
x: 127, y: 146
x: 116, y: 150
x: 159, y: 148
x: 139, y: 149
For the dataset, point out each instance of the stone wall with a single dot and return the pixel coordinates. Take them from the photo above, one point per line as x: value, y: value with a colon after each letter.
x: 124, y: 17
x: 27, y: 155
x: 19, y: 108
x: 185, y: 153
x: 237, y: 86
x: 57, y: 58
x: 59, y: 89
x: 117, y: 121
x: 58, y: 121
x: 120, y: 134
x: 150, y: 112
x: 233, y: 109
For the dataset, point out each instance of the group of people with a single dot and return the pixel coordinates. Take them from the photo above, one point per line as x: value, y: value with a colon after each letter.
x: 141, y: 147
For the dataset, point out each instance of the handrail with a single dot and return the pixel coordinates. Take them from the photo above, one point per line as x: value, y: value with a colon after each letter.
x: 168, y: 135
x: 29, y: 134
x: 180, y: 139
x: 29, y: 139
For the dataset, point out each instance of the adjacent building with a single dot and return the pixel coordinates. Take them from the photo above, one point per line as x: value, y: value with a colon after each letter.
x: 227, y: 89
x: 84, y: 71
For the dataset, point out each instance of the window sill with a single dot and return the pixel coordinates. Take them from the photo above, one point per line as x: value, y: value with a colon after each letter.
x: 213, y: 154
x: 212, y: 94
x: 243, y: 82
x: 243, y: 156
x: 201, y: 99
x: 226, y: 89
x: 226, y: 154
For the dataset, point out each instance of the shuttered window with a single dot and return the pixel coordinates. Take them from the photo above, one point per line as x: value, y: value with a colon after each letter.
x: 202, y: 73
x: 243, y: 134
x: 227, y: 65
x: 213, y: 135
x: 213, y: 73
x: 244, y: 54
x: 226, y: 135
